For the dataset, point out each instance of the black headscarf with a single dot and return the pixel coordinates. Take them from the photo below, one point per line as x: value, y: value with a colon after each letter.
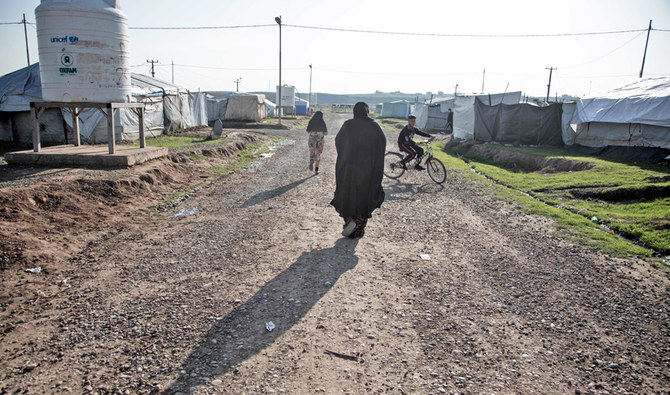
x: 361, y: 110
x: 317, y: 124
x: 359, y: 169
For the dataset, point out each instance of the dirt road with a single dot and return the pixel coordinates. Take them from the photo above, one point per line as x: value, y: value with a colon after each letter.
x: 181, y: 304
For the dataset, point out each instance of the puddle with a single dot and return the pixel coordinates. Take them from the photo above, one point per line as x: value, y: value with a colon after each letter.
x: 253, y: 167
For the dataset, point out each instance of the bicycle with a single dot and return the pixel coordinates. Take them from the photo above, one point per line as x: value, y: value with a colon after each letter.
x: 394, y: 169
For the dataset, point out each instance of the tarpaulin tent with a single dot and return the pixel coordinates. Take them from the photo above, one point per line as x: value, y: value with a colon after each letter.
x: 17, y: 90
x: 518, y: 124
x: 636, y: 114
x: 216, y: 109
x: 301, y: 106
x: 246, y: 107
x: 166, y: 105
x: 396, y: 109
x: 433, y: 116
x: 464, y: 110
x: 270, y: 108
x: 181, y: 108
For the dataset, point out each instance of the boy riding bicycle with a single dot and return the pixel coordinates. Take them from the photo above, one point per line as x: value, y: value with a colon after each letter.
x: 406, y: 143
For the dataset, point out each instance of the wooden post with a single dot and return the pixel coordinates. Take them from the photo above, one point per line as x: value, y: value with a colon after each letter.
x: 142, y: 135
x: 35, y: 117
x: 110, y: 128
x: 75, y: 125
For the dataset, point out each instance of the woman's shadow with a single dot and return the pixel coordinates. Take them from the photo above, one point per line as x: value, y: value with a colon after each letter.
x: 283, y: 301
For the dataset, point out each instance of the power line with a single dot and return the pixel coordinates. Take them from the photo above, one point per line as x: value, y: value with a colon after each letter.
x: 195, y: 27
x: 464, y: 35
x: 228, y: 68
x: 608, y: 53
x: 375, y: 31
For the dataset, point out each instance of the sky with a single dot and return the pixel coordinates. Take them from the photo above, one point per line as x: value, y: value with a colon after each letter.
x: 469, y: 46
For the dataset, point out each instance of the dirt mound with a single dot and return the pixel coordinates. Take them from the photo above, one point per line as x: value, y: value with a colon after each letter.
x: 520, y: 161
x: 36, y: 217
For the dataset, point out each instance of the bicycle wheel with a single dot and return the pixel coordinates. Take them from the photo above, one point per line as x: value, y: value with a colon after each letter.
x: 392, y: 168
x: 436, y: 170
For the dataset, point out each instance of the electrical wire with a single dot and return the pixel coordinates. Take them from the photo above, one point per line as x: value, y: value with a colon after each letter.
x: 602, y: 56
x: 196, y: 27
x: 464, y: 35
x: 228, y: 68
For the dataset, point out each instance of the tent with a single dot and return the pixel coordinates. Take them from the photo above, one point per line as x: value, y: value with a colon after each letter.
x: 518, y: 124
x: 433, y: 116
x: 167, y: 106
x: 269, y: 108
x: 17, y: 90
x: 246, y: 107
x: 216, y: 109
x: 396, y: 109
x: 301, y: 106
x: 464, y: 110
x: 182, y: 109
x: 636, y: 114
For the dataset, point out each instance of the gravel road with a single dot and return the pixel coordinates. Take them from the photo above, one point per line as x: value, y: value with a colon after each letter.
x: 497, y: 304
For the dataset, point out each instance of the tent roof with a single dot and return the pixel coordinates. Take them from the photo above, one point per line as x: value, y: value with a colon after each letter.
x: 645, y: 101
x: 145, y: 85
x: 19, y: 88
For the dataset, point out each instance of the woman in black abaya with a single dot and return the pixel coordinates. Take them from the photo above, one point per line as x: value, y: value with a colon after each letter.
x: 360, y: 145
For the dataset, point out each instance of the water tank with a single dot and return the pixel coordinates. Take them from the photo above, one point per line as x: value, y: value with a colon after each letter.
x: 287, y: 95
x: 83, y: 50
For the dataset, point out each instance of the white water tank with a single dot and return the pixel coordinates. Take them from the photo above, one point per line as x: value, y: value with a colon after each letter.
x: 83, y: 50
x: 287, y: 95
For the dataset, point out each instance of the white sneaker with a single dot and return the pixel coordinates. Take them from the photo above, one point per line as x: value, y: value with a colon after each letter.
x: 349, y: 229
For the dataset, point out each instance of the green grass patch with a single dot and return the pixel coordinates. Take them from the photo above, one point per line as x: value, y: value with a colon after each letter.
x: 178, y: 141
x: 629, y: 198
x: 392, y: 124
x: 247, y: 156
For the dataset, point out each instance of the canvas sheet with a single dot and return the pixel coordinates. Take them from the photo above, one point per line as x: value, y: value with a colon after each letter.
x: 518, y: 124
x: 464, y: 111
x: 645, y: 101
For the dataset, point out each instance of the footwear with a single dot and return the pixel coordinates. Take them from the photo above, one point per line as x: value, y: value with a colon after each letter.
x: 349, y: 229
x: 419, y: 167
x: 403, y: 166
x: 316, y: 170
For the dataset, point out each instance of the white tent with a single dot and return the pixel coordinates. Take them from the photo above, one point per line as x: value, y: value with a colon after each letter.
x: 269, y: 108
x: 433, y: 116
x: 167, y: 106
x: 464, y: 110
x: 636, y: 114
x: 396, y: 109
x: 246, y: 107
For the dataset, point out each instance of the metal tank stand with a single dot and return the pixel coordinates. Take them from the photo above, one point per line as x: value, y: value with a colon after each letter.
x: 37, y: 108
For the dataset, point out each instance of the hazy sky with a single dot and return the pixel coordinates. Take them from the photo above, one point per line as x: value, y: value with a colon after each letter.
x: 359, y: 62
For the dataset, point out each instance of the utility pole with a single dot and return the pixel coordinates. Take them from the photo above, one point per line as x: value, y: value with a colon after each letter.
x: 237, y: 84
x: 551, y: 69
x: 645, y: 49
x: 25, y: 32
x: 483, y: 76
x: 173, y: 72
x: 310, y: 86
x: 278, y: 20
x: 153, y: 73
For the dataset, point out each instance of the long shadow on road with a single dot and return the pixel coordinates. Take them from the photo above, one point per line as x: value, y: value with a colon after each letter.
x: 266, y: 195
x: 284, y: 300
x: 398, y: 190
